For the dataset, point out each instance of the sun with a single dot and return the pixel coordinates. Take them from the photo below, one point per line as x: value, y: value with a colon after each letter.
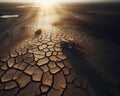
x: 47, y: 3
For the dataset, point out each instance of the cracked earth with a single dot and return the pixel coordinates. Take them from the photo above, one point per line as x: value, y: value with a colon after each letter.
x: 38, y: 66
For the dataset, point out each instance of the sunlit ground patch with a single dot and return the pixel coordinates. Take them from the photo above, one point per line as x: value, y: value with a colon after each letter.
x: 9, y: 16
x: 21, y: 6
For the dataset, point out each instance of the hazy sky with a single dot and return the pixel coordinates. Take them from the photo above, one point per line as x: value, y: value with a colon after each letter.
x: 60, y: 0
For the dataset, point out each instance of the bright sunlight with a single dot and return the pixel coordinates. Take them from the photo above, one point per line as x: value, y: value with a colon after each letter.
x: 47, y: 3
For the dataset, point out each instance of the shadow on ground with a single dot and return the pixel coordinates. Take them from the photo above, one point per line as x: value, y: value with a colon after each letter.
x: 83, y: 68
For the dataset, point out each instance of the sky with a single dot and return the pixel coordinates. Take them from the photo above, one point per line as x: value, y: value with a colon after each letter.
x: 60, y: 0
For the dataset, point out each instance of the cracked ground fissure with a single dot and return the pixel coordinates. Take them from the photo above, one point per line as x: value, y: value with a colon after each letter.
x: 39, y: 67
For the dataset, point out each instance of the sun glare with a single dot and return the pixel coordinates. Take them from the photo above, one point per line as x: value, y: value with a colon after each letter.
x: 46, y: 3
